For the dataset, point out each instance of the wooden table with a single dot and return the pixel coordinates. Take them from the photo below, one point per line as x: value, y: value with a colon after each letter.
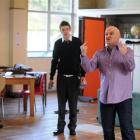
x: 25, y: 80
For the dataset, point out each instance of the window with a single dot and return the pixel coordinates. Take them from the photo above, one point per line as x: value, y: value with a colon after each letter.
x: 44, y: 17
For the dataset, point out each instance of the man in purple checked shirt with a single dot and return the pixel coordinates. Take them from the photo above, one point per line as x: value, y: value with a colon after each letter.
x: 115, y: 63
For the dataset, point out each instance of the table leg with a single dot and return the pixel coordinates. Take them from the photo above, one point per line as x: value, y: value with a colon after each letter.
x: 32, y: 97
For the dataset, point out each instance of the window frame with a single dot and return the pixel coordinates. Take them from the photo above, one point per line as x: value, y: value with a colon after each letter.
x: 73, y: 16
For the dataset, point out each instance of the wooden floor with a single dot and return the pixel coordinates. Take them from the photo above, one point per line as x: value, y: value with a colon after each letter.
x: 22, y: 127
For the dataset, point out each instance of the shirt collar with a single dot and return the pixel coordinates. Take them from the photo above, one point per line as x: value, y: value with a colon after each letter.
x: 112, y: 48
x: 70, y: 38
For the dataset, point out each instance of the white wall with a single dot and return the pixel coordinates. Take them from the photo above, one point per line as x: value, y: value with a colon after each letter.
x: 18, y: 31
x: 136, y: 75
x: 4, y: 32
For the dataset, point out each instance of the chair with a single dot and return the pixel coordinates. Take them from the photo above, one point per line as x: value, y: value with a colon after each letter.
x: 2, y: 90
x: 40, y: 89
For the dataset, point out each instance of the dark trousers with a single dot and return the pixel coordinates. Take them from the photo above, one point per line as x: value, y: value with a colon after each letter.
x: 67, y: 90
x: 124, y: 111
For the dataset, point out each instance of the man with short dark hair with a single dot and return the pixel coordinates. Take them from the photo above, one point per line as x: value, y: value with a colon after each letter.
x: 66, y: 58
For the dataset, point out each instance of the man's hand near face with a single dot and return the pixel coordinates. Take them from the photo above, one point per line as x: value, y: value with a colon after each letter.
x: 122, y: 47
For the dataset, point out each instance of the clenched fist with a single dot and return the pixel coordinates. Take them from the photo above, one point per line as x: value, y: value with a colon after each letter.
x: 83, y: 48
x: 122, y: 47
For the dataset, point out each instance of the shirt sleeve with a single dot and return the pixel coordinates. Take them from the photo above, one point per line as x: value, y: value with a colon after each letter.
x: 128, y: 60
x: 89, y: 64
x: 54, y: 61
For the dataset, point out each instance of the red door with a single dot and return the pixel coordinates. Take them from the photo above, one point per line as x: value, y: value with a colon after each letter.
x: 92, y: 33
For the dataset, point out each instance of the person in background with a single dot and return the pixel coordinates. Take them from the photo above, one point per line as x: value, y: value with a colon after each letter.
x: 1, y: 125
x: 66, y: 59
x: 115, y: 63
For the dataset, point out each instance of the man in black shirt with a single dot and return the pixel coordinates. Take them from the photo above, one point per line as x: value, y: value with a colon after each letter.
x: 66, y: 59
x: 1, y: 125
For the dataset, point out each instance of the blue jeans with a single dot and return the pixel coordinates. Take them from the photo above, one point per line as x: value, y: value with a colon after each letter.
x: 108, y: 114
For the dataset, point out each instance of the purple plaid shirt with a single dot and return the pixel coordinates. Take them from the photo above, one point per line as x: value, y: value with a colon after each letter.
x: 115, y: 73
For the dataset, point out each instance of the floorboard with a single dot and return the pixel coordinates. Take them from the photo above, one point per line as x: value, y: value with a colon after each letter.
x: 18, y: 126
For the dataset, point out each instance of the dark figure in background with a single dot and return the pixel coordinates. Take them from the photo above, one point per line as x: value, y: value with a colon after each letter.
x: 66, y: 59
x: 1, y: 125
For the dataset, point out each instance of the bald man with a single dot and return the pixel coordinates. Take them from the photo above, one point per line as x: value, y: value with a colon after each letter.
x: 115, y: 63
